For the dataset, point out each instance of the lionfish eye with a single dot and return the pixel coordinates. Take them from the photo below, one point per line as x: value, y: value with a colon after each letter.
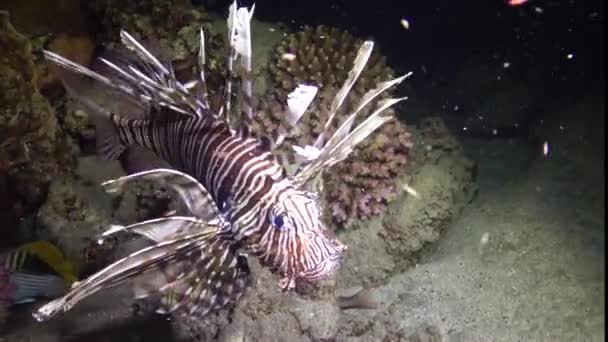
x: 281, y: 220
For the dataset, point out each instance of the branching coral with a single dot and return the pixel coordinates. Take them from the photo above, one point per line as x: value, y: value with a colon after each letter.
x: 361, y: 186
x: 32, y: 147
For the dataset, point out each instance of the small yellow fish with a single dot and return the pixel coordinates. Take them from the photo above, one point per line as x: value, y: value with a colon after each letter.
x: 36, y: 269
x: 47, y: 253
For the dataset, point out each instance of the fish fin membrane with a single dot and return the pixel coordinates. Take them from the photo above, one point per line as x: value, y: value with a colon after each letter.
x: 145, y: 260
x: 161, y: 229
x: 192, y: 193
x: 217, y: 277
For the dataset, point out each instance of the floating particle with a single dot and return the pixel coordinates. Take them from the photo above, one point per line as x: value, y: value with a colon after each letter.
x: 516, y: 2
x: 271, y: 29
x: 506, y: 65
x: 545, y: 148
x: 495, y: 131
x: 288, y: 56
x: 538, y: 10
x: 483, y: 242
x: 570, y: 56
x: 405, y: 24
x: 411, y: 191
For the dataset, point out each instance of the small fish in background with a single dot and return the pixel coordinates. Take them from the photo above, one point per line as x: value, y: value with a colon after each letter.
x: 34, y: 270
x: 363, y: 299
x: 516, y: 2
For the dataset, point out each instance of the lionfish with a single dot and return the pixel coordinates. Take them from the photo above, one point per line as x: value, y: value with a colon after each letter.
x: 241, y: 200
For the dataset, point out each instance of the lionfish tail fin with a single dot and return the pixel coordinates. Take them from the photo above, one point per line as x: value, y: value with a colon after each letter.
x: 146, y: 260
x: 220, y: 276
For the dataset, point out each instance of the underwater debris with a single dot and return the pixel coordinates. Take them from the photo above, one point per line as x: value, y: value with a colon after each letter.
x: 362, y: 186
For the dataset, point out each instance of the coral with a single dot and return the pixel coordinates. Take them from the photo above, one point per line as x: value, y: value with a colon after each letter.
x: 33, y: 149
x: 443, y: 178
x: 169, y: 26
x: 363, y: 185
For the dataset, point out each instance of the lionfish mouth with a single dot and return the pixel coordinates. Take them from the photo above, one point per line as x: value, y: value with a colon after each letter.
x: 328, y: 266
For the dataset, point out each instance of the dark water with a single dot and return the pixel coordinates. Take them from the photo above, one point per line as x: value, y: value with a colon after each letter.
x: 521, y: 88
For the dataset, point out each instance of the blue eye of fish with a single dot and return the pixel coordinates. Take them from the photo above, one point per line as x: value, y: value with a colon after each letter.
x: 280, y: 220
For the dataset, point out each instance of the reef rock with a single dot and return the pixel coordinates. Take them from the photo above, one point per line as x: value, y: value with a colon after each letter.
x: 442, y: 179
x: 33, y: 148
x: 77, y: 210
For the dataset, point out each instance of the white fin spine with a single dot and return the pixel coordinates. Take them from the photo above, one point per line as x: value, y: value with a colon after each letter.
x: 192, y: 193
x: 363, y: 55
x: 337, y: 150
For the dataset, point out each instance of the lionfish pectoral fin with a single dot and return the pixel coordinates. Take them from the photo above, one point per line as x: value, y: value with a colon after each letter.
x: 158, y: 281
x: 163, y: 229
x: 361, y: 59
x: 218, y: 277
x: 193, y: 194
x: 123, y: 270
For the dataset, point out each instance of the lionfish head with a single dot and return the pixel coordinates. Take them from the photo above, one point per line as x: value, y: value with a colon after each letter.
x: 300, y: 248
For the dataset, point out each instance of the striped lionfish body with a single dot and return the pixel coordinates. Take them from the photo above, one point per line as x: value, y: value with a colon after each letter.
x: 240, y: 200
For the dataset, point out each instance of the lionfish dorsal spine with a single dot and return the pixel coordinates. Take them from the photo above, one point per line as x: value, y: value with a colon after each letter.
x: 135, y: 46
x: 336, y: 151
x: 239, y: 38
x: 326, y: 153
x: 298, y: 102
x: 361, y: 59
x: 203, y: 95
